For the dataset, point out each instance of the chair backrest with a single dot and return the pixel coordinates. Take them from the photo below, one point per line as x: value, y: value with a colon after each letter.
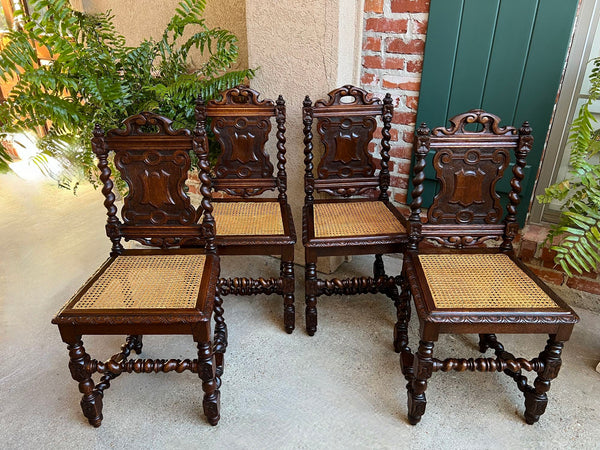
x: 241, y: 124
x: 154, y: 160
x: 468, y: 165
x: 346, y: 122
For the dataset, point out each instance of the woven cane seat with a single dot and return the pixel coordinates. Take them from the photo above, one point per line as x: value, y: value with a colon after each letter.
x: 248, y: 218
x: 146, y: 282
x: 354, y: 219
x: 475, y: 281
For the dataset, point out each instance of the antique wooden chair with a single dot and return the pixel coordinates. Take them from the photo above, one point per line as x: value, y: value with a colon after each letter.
x: 462, y: 287
x: 150, y: 291
x: 248, y: 225
x: 346, y: 122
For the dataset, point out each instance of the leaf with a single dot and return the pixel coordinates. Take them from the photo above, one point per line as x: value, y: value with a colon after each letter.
x: 96, y: 78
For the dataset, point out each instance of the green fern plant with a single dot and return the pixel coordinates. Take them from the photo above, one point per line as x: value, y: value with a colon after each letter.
x: 578, y: 230
x: 94, y: 77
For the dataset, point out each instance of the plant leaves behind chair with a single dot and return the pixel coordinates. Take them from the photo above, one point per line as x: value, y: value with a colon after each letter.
x: 152, y: 291
x: 460, y: 287
x: 346, y: 122
x: 247, y: 225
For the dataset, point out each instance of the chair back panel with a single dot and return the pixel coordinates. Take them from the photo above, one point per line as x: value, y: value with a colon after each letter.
x: 346, y: 141
x: 154, y: 160
x: 346, y: 122
x: 155, y: 168
x: 241, y: 124
x: 468, y: 166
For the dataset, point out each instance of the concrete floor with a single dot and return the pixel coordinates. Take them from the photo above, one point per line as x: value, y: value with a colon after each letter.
x: 341, y: 388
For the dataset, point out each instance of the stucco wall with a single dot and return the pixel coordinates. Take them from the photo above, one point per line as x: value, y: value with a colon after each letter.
x: 140, y: 19
x: 296, y: 47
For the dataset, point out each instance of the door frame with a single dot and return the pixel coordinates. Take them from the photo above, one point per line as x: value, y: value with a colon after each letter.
x: 577, y: 59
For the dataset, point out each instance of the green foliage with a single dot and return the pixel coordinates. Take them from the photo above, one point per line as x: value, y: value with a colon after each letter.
x: 94, y: 77
x: 578, y: 232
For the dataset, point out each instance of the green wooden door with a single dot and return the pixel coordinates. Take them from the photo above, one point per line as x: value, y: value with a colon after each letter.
x: 503, y: 56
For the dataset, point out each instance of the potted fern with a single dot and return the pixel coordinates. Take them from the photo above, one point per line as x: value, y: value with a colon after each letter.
x: 92, y: 76
x: 576, y: 238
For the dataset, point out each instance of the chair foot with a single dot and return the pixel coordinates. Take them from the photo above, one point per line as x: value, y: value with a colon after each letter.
x: 311, y: 316
x: 92, y: 410
x: 212, y: 407
x: 288, y: 285
x: 422, y: 369
x: 536, y: 398
x: 311, y: 298
x: 91, y: 401
x: 289, y: 318
x: 207, y: 371
x: 535, y: 406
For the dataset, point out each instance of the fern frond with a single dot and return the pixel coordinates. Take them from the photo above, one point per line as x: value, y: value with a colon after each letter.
x: 94, y: 77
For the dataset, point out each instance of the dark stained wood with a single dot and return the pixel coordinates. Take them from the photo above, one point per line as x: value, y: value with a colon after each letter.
x: 154, y: 161
x: 346, y: 122
x: 465, y: 214
x: 242, y: 124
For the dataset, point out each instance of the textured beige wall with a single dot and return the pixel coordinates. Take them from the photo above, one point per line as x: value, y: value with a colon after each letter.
x: 295, y: 44
x: 140, y: 19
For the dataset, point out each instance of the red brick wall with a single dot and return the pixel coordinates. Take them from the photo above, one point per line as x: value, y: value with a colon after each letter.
x: 392, y: 61
x: 394, y: 33
x: 540, y: 260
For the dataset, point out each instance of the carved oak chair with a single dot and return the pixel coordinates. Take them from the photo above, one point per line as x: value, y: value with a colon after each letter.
x: 462, y: 287
x: 159, y: 291
x: 249, y: 225
x: 346, y: 122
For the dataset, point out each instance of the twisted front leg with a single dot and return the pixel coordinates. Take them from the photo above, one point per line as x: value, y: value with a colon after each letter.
x: 220, y: 346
